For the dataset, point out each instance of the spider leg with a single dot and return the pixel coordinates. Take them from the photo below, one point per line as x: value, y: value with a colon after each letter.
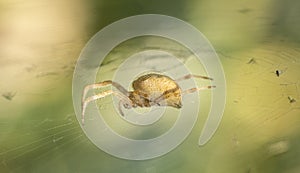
x: 103, y: 84
x: 162, y: 97
x: 96, y: 97
x: 191, y: 76
x: 120, y: 107
x: 191, y: 90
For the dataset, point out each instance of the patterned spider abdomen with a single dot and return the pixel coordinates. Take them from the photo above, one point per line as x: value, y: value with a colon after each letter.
x: 157, y: 89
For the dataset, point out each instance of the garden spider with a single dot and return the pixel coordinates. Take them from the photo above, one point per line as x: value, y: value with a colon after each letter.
x: 148, y: 90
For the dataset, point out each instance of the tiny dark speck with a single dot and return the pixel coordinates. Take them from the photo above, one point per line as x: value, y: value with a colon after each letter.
x: 251, y: 61
x: 292, y: 100
x: 277, y: 73
x: 245, y: 10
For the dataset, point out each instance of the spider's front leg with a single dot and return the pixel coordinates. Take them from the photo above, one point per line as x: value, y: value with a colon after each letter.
x: 104, y: 84
x: 84, y: 101
x: 92, y: 98
x: 99, y: 96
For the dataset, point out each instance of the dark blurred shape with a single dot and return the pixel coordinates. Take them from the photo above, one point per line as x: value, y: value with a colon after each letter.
x: 286, y: 18
x: 245, y: 10
x: 292, y: 100
x: 106, y: 12
x: 9, y: 95
x: 251, y: 61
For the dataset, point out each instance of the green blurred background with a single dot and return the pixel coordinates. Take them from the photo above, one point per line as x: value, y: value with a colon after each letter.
x: 40, y: 42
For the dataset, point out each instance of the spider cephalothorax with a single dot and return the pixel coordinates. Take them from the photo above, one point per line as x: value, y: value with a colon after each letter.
x: 148, y: 90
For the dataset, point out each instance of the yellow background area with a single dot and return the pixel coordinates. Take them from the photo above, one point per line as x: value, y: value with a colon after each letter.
x: 40, y: 42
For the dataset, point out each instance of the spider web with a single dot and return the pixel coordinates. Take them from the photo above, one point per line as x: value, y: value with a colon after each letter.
x: 262, y: 107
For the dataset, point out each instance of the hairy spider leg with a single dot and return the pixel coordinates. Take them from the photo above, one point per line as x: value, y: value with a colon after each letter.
x: 96, y: 97
x: 103, y: 84
x: 120, y: 107
x: 191, y: 76
x: 188, y: 91
x: 160, y: 98
x: 123, y: 95
x: 191, y: 90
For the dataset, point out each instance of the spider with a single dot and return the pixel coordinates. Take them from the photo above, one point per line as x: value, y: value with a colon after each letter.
x: 148, y: 90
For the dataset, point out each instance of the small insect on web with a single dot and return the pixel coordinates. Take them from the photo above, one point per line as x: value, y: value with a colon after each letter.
x: 149, y: 90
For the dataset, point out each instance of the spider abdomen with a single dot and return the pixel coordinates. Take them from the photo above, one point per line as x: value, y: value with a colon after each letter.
x: 158, y: 90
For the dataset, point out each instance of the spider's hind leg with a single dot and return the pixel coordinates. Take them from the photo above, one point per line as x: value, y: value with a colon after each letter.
x: 191, y: 90
x: 192, y: 76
